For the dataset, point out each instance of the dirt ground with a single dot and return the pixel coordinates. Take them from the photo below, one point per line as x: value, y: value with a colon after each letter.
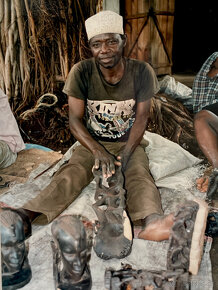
x: 30, y: 159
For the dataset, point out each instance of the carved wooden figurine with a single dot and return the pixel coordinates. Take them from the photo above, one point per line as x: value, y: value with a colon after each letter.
x: 113, y: 232
x: 16, y: 271
x: 187, y: 236
x: 70, y: 253
x: 128, y: 278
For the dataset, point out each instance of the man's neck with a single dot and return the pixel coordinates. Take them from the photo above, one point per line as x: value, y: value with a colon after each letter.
x: 115, y: 74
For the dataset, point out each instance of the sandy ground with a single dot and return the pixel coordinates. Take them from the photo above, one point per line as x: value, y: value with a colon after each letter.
x: 29, y: 160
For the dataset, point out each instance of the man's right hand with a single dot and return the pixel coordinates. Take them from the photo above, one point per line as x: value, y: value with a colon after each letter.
x: 105, y: 161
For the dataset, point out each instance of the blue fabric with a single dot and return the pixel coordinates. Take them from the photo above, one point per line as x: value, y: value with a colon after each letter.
x: 36, y: 146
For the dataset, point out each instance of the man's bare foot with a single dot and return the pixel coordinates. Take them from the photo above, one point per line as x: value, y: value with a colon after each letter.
x: 158, y: 229
x: 202, y: 183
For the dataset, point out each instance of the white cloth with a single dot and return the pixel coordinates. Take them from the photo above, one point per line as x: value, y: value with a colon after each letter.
x: 9, y: 131
x: 7, y: 157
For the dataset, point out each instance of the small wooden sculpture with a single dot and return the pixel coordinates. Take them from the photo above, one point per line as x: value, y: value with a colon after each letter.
x: 113, y: 231
x: 131, y: 279
x: 70, y: 254
x: 16, y: 271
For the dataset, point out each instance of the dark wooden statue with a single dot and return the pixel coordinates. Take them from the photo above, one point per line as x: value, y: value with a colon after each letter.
x: 113, y: 231
x: 70, y: 254
x: 128, y: 278
x: 187, y: 236
x: 16, y: 271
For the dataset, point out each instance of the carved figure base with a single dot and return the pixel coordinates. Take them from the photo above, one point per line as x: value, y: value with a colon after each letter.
x: 84, y: 284
x: 110, y: 241
x: 18, y: 279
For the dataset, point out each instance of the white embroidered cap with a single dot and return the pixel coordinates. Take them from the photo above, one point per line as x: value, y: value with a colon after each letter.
x: 104, y: 22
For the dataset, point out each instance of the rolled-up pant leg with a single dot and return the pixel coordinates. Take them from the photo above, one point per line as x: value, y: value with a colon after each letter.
x: 65, y: 186
x: 143, y: 197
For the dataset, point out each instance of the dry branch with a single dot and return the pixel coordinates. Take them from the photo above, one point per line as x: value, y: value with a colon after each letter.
x: 170, y: 119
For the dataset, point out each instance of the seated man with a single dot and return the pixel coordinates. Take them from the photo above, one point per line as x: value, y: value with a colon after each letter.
x: 205, y: 94
x: 11, y: 141
x: 112, y: 94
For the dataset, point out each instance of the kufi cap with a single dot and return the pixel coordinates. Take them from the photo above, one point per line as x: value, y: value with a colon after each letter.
x: 104, y: 22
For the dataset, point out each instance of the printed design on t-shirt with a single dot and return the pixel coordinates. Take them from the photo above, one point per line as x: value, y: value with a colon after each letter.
x: 110, y: 119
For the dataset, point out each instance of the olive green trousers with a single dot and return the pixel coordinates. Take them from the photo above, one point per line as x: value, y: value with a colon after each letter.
x: 142, y: 198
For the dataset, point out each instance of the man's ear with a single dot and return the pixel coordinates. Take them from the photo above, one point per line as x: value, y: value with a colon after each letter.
x: 124, y: 40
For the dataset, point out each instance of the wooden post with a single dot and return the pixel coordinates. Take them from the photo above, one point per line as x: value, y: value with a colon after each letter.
x: 143, y: 41
x: 113, y: 5
x: 134, y: 53
x: 128, y: 26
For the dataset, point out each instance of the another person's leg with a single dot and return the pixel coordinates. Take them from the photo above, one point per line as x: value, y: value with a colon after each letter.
x: 143, y: 199
x: 206, y: 130
x: 7, y: 157
x: 64, y: 188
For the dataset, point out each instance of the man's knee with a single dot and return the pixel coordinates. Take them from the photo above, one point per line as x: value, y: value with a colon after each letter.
x: 202, y: 116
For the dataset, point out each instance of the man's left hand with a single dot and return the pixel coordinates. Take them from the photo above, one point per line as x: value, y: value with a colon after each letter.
x: 123, y: 158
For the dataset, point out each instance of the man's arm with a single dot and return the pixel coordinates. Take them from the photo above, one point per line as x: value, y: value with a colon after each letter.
x: 136, y: 132
x: 103, y: 159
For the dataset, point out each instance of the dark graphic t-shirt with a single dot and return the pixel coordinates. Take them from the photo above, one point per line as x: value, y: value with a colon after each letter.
x: 110, y: 109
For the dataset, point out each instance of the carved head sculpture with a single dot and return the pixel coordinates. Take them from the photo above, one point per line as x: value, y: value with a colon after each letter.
x: 12, y: 241
x: 70, y: 237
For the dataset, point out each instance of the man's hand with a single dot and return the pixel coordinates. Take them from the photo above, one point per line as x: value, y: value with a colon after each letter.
x: 105, y: 161
x: 124, y: 158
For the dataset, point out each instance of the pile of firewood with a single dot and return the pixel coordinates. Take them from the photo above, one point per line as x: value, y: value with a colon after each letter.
x: 170, y: 119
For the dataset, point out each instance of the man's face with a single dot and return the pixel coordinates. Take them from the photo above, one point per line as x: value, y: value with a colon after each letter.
x: 73, y: 251
x: 107, y: 49
x: 13, y: 247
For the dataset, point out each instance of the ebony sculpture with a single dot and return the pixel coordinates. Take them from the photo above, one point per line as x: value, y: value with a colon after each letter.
x: 113, y: 231
x: 70, y: 254
x: 16, y: 271
x: 187, y: 237
x: 128, y: 278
